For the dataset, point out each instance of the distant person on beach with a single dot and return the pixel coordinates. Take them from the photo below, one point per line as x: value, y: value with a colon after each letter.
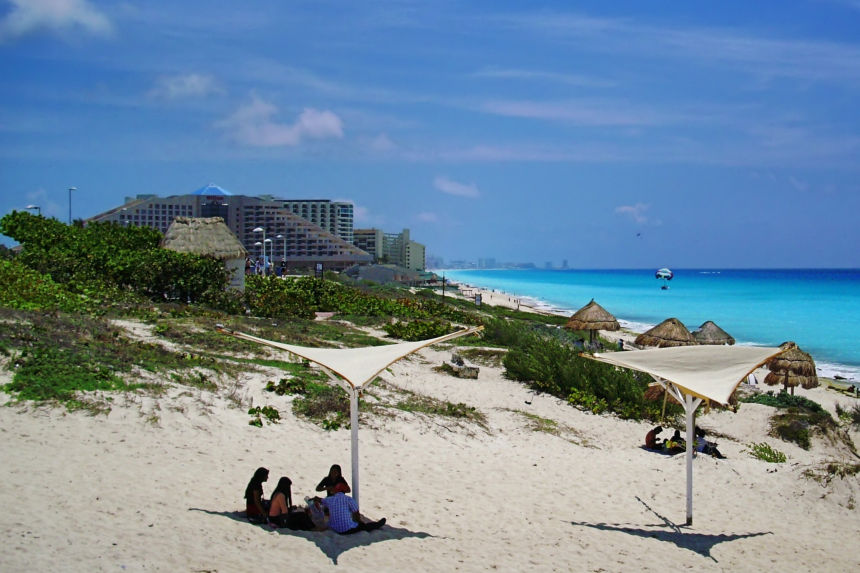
x: 255, y: 506
x: 651, y: 441
x: 675, y: 444
x: 344, y: 517
x: 334, y: 482
x: 706, y: 447
x: 282, y: 512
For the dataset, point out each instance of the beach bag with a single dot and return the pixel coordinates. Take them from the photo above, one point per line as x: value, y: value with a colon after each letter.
x: 316, y: 514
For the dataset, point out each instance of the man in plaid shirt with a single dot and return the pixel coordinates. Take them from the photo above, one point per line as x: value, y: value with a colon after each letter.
x: 344, y: 517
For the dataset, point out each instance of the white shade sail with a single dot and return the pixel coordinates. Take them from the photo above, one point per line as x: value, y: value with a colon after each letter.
x: 692, y: 374
x: 711, y: 372
x: 353, y: 368
x: 357, y: 366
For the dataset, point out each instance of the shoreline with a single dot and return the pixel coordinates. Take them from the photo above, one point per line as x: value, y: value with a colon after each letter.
x: 833, y: 372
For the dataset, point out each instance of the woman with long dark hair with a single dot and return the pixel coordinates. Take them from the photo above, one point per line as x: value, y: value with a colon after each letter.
x: 334, y: 482
x: 282, y: 512
x: 256, y: 508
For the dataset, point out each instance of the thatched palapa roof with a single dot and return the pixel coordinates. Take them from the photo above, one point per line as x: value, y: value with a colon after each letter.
x: 668, y: 333
x: 203, y: 236
x: 792, y: 368
x: 710, y: 333
x: 592, y: 317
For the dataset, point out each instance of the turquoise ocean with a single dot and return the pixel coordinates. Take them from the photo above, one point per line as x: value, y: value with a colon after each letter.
x: 819, y: 309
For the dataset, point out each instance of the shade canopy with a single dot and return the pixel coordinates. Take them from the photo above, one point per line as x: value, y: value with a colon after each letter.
x: 670, y: 332
x: 592, y: 317
x: 692, y: 374
x: 357, y: 366
x: 710, y: 333
x: 711, y: 372
x: 353, y: 368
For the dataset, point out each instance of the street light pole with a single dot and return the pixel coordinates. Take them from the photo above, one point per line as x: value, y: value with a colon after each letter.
x: 262, y: 230
x: 37, y: 208
x: 271, y: 253
x: 70, y: 203
x: 284, y: 266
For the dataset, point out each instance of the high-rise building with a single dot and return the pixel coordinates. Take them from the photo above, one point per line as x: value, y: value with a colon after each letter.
x: 287, y: 238
x: 394, y: 248
x: 336, y: 217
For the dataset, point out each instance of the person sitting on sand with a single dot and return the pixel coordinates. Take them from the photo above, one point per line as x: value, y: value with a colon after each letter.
x: 344, y: 517
x: 675, y: 444
x: 282, y: 512
x: 256, y: 507
x: 706, y: 447
x: 333, y: 479
x: 651, y: 441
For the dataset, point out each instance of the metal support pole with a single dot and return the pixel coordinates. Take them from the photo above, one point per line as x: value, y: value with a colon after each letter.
x: 353, y: 422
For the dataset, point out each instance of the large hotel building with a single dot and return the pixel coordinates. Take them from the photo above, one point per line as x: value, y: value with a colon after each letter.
x: 296, y: 232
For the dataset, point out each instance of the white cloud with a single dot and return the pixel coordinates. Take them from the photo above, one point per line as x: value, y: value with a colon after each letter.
x: 253, y: 124
x: 451, y: 187
x: 362, y: 217
x: 635, y: 212
x: 382, y: 143
x: 185, y: 86
x: 798, y: 184
x: 428, y: 217
x: 539, y: 75
x: 28, y: 16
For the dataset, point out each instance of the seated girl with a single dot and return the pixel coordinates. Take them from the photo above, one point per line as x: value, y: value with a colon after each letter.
x: 282, y: 512
x: 333, y: 480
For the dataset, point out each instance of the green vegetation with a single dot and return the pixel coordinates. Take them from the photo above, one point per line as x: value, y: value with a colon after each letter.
x: 108, y: 264
x: 850, y: 415
x: 418, y: 329
x: 798, y: 417
x: 545, y: 359
x: 765, y: 453
x: 56, y: 293
x: 258, y: 413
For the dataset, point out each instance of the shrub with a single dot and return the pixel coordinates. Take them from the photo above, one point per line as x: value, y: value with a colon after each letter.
x: 764, y: 452
x: 26, y: 289
x: 850, y: 415
x: 418, y: 329
x: 798, y: 417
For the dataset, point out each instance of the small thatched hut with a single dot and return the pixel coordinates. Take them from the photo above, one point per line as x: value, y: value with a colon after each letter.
x: 208, y: 237
x: 670, y: 332
x: 592, y: 317
x: 792, y: 368
x: 710, y: 333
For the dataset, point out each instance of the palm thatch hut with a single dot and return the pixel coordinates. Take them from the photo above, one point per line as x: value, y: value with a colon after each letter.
x: 592, y: 317
x: 208, y: 237
x: 710, y: 333
x: 792, y: 368
x: 670, y: 332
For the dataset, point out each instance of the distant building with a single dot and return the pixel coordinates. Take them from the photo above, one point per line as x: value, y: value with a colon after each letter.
x: 288, y: 238
x: 392, y: 248
x: 336, y: 217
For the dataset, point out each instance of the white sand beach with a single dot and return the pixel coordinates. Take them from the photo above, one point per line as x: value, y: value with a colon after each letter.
x: 156, y: 485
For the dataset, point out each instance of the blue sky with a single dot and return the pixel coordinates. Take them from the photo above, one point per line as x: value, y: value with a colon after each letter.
x: 620, y: 134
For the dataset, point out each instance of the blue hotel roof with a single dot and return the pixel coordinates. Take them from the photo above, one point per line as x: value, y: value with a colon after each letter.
x: 211, y: 189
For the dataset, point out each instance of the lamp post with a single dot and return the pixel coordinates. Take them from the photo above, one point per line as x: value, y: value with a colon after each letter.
x: 271, y: 255
x: 37, y: 208
x: 258, y: 244
x: 70, y: 203
x: 262, y: 230
x: 284, y: 265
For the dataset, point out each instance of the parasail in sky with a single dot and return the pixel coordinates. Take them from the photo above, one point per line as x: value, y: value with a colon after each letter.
x: 666, y: 275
